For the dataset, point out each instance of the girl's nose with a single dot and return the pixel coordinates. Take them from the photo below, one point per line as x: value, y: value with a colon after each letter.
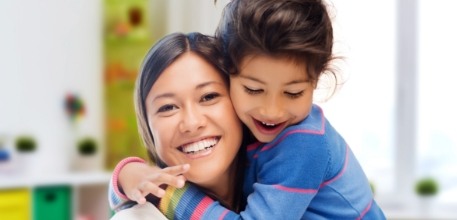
x: 272, y: 109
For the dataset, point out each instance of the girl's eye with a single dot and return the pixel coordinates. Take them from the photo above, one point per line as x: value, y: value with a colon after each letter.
x: 210, y: 96
x: 252, y: 91
x: 167, y: 108
x: 294, y: 95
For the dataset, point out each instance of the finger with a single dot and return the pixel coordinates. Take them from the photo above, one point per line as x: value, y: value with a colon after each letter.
x: 137, y: 196
x: 153, y: 189
x: 168, y: 179
x: 177, y: 170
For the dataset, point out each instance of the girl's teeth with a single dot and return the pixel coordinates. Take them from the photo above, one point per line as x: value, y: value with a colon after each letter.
x: 268, y: 124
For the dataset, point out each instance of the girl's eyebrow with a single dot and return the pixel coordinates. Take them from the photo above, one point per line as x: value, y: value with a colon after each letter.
x: 199, y: 86
x: 298, y: 81
x: 252, y: 78
x: 262, y: 82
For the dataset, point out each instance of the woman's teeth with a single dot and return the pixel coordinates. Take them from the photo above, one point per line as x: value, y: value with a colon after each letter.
x: 202, y: 145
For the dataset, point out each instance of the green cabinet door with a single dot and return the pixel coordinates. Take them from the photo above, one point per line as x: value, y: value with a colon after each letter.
x: 52, y: 203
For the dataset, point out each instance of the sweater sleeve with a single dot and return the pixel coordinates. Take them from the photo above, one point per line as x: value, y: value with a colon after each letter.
x: 288, y: 177
x: 116, y: 197
x: 189, y: 202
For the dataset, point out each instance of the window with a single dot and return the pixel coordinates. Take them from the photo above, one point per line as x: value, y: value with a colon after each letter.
x: 437, y: 109
x: 396, y: 109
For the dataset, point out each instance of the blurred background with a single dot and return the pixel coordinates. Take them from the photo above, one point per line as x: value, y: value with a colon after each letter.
x: 67, y: 71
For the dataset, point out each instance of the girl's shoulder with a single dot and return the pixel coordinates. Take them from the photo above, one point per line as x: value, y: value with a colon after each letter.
x: 314, y: 123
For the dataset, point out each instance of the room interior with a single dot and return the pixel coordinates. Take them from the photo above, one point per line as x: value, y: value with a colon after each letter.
x: 68, y: 68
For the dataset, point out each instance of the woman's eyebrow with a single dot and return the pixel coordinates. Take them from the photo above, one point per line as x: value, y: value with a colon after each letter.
x: 164, y: 95
x: 199, y: 86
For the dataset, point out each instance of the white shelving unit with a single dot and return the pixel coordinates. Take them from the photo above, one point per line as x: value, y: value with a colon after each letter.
x: 89, y: 190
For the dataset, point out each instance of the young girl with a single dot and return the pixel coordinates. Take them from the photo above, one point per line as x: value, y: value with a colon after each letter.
x: 301, y: 168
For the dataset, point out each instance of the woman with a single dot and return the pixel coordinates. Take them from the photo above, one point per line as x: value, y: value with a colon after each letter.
x: 185, y: 116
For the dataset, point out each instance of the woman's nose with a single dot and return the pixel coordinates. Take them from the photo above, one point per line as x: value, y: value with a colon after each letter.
x: 192, y: 120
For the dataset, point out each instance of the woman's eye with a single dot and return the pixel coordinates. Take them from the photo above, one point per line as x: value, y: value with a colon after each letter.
x: 167, y: 108
x: 252, y: 91
x: 210, y: 96
x: 294, y: 95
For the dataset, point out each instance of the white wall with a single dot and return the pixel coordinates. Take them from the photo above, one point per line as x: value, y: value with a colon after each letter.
x: 50, y: 48
x: 196, y: 15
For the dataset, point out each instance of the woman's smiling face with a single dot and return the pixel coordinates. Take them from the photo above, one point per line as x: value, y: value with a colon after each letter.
x: 192, y: 119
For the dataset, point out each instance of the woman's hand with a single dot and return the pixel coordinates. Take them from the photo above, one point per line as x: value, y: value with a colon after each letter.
x: 139, y: 179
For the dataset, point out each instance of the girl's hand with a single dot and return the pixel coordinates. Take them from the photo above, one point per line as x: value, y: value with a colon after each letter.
x: 139, y: 179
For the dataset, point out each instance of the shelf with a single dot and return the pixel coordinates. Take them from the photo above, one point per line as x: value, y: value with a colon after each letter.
x: 417, y: 215
x: 8, y: 181
x: 421, y: 212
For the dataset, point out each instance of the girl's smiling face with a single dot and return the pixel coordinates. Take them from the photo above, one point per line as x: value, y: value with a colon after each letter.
x: 270, y: 93
x: 192, y: 120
